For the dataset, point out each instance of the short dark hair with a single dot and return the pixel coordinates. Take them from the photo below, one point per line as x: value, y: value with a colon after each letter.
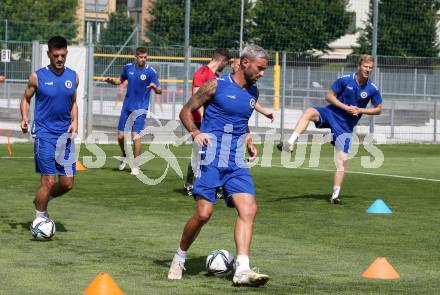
x: 141, y: 50
x: 57, y: 42
x: 222, y: 53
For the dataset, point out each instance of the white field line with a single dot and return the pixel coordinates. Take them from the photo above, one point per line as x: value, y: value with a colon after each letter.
x: 313, y: 169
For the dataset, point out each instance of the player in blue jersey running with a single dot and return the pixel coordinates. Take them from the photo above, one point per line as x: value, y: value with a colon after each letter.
x: 142, y: 78
x: 348, y: 97
x: 229, y: 102
x: 55, y: 124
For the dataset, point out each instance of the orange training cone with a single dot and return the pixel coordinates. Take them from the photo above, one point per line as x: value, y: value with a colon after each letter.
x: 103, y: 284
x: 381, y: 269
x: 80, y: 166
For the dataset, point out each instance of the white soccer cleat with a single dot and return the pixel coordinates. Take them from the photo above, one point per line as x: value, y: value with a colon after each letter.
x: 249, y: 278
x: 176, y: 270
x: 122, y: 164
x: 135, y: 171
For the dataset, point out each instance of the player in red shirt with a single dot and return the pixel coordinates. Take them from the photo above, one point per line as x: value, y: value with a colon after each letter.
x: 218, y: 62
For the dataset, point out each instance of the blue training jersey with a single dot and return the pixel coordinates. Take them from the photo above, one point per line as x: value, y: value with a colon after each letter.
x: 349, y: 92
x: 138, y: 93
x: 53, y: 102
x: 226, y: 116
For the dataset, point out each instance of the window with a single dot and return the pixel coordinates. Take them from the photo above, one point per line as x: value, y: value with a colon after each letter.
x: 96, y: 5
x: 351, y: 29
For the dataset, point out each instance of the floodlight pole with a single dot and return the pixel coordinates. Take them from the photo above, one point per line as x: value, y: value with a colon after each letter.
x: 187, y: 50
x: 375, y: 21
x: 374, y: 51
x: 241, y: 25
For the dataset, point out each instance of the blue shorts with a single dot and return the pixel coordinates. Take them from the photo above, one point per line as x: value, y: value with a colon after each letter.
x: 234, y: 180
x: 138, y: 124
x: 51, y: 159
x: 341, y: 135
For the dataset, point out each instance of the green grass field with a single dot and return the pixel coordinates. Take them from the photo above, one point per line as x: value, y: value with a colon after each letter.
x: 111, y: 222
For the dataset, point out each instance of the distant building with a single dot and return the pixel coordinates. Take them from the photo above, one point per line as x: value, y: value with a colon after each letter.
x: 138, y: 9
x: 343, y: 46
x: 91, y: 16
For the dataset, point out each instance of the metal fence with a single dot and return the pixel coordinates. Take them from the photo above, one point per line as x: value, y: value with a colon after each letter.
x: 409, y: 87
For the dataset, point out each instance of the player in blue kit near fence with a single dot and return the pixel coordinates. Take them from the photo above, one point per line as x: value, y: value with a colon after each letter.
x: 348, y: 97
x: 229, y: 102
x: 55, y: 124
x: 142, y: 78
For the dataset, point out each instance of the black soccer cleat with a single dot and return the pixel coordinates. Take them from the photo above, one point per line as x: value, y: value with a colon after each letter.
x: 335, y: 201
x: 284, y: 146
x: 189, y: 189
x: 219, y: 194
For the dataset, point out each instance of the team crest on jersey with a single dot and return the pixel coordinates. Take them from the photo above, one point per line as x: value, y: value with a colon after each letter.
x: 143, y: 77
x: 68, y: 84
x: 252, y: 103
x: 364, y: 94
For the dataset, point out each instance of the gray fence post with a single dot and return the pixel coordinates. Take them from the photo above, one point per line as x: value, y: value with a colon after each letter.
x: 435, y: 121
x: 306, y: 101
x: 415, y: 82
x: 393, y: 105
x: 174, y: 104
x: 89, y: 90
x: 101, y: 101
x: 6, y: 94
x: 187, y: 67
x: 36, y: 64
x: 424, y: 87
x: 6, y: 31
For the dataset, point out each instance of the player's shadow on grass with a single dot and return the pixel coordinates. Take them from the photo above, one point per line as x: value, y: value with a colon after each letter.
x: 196, y: 265
x: 324, y: 197
x: 181, y: 191
x: 115, y: 169
x: 26, y: 225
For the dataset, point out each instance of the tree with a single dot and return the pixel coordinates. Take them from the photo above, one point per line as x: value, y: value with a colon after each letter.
x: 38, y: 20
x: 405, y: 28
x: 299, y: 25
x: 118, y: 28
x: 213, y: 23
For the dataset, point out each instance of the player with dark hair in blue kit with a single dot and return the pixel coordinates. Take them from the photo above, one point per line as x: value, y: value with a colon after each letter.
x: 142, y: 78
x: 229, y: 102
x: 348, y: 98
x: 55, y: 124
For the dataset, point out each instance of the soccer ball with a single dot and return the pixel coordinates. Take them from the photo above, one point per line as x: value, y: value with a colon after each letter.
x: 42, y: 228
x: 220, y: 263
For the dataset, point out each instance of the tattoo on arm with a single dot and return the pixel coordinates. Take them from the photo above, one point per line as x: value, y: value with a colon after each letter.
x: 202, y: 96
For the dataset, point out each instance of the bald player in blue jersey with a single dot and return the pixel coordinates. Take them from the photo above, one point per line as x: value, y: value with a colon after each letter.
x: 348, y: 97
x: 229, y: 102
x: 55, y: 124
x: 141, y: 78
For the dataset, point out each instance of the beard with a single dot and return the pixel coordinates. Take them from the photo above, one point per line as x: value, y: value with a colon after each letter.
x: 249, y: 78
